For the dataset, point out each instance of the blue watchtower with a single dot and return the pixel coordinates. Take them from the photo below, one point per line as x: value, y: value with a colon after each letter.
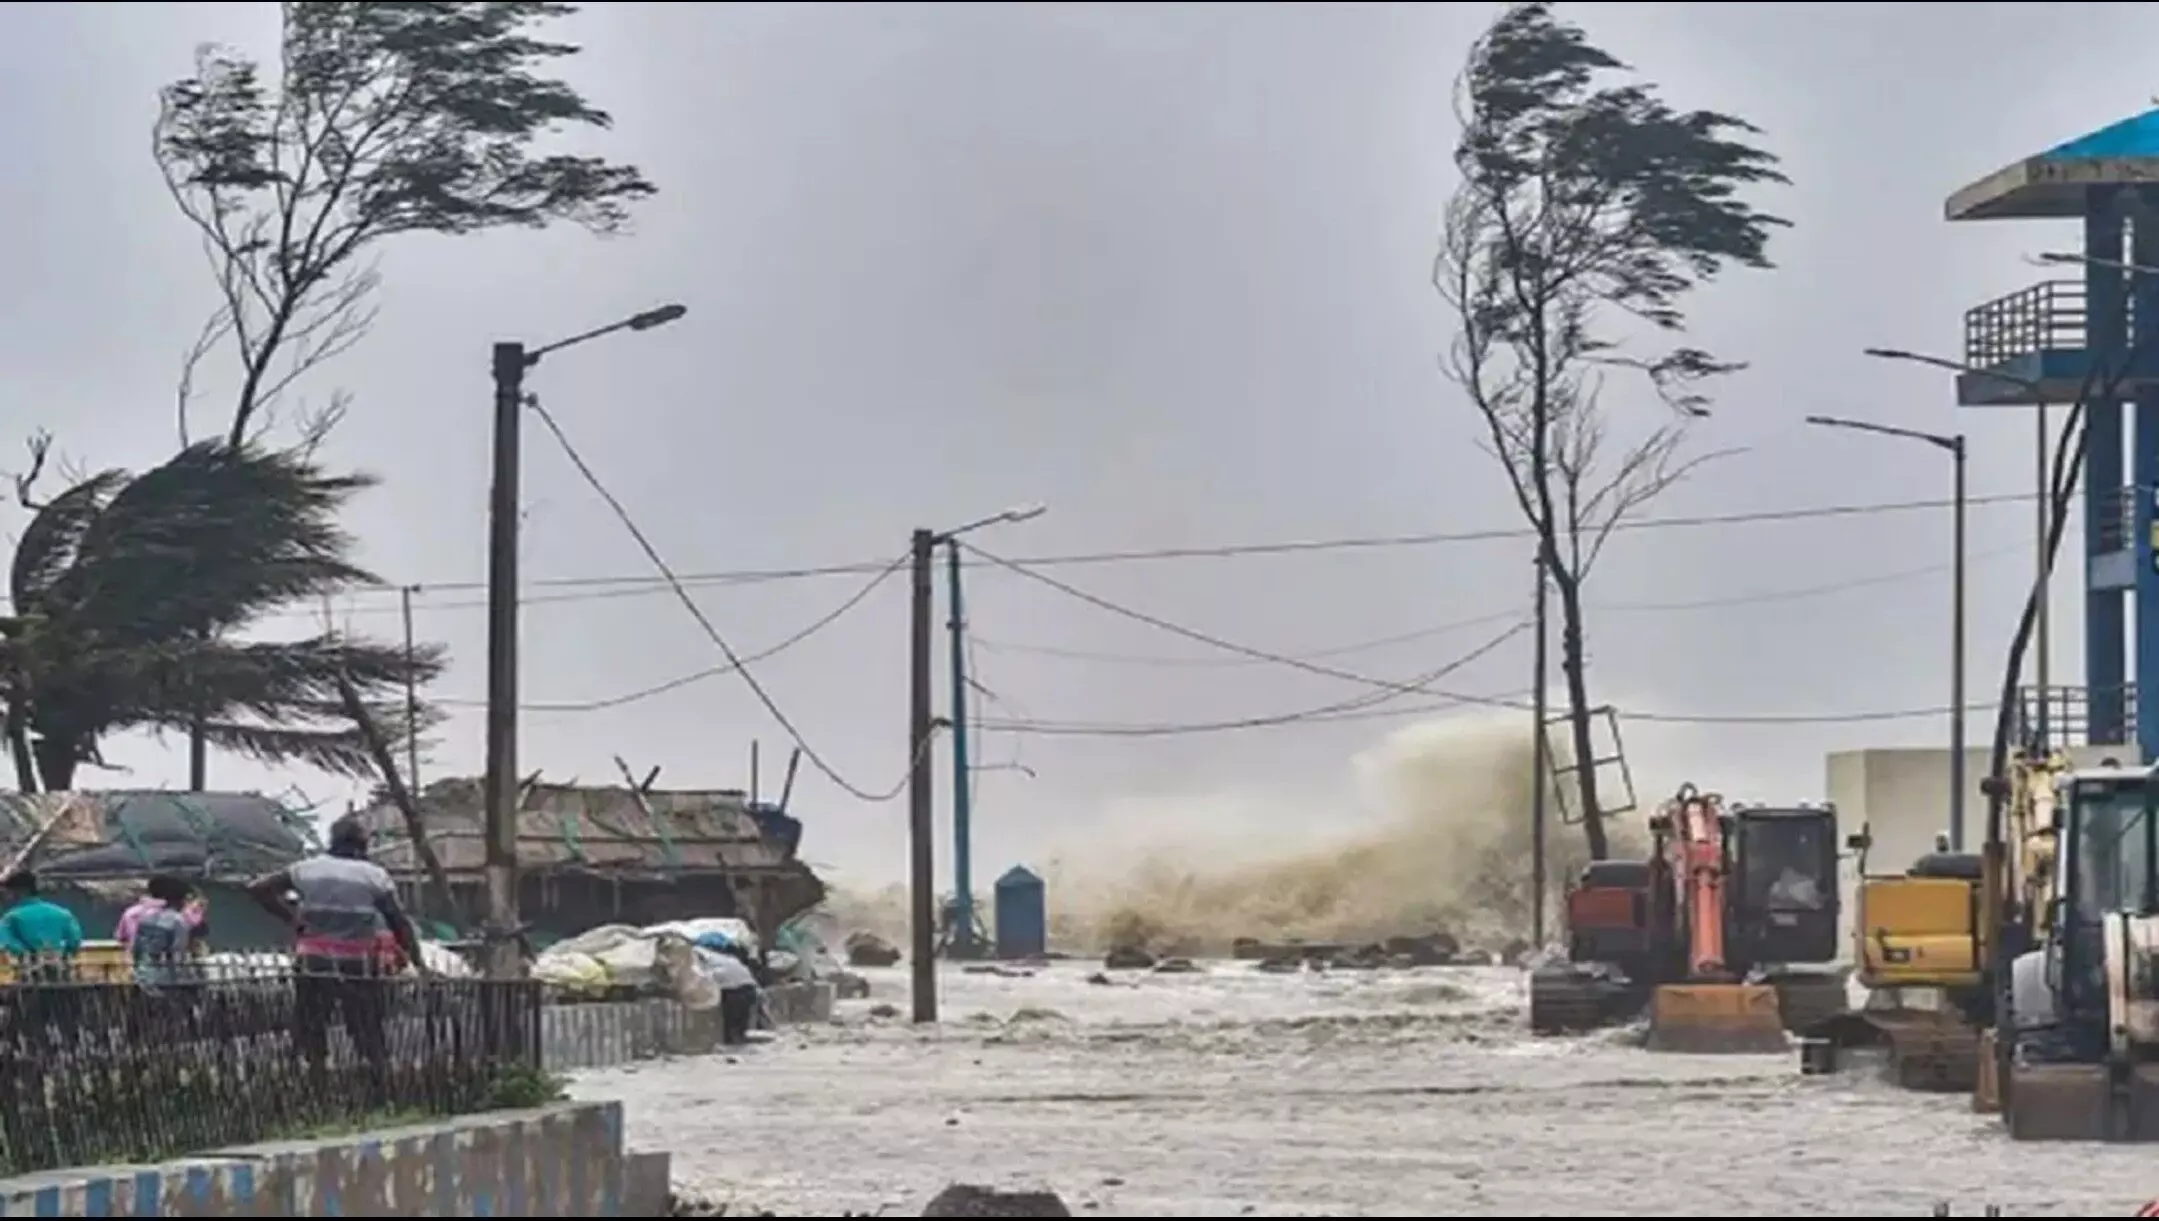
x: 2064, y: 341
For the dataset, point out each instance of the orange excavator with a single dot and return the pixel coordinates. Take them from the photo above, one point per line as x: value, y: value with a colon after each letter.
x: 1705, y: 932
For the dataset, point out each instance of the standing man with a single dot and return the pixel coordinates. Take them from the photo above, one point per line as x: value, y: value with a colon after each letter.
x: 738, y: 994
x: 43, y: 938
x: 338, y: 904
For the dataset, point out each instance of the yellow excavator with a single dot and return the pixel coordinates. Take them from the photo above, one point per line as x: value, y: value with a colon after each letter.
x: 1919, y: 955
x: 1923, y: 946
x: 2074, y: 948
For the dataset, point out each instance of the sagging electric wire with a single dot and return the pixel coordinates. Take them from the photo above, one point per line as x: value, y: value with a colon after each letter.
x: 631, y: 586
x: 1112, y: 729
x: 1456, y: 625
x: 734, y: 661
x: 1414, y: 688
x: 683, y: 680
x: 1323, y: 712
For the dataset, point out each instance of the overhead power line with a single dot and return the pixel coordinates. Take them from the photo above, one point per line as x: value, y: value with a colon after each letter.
x: 1417, y: 688
x: 735, y: 663
x: 624, y: 586
x: 696, y: 676
x: 1793, y: 594
x: 1358, y: 706
x: 575, y: 589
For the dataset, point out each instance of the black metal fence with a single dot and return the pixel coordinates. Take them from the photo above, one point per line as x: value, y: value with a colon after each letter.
x: 146, y: 1064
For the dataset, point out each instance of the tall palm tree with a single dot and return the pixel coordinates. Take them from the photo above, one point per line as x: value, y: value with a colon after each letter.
x: 129, y: 590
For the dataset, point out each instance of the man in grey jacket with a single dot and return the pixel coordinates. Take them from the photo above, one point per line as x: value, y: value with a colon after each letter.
x: 338, y: 904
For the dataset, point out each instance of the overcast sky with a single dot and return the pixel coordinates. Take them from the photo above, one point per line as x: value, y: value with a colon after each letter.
x: 1161, y: 267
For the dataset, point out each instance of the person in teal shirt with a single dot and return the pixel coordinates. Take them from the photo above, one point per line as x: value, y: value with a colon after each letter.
x: 35, y: 927
x: 43, y: 938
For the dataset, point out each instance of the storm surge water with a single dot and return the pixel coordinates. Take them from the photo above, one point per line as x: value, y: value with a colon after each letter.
x: 1434, y: 836
x: 1442, y: 843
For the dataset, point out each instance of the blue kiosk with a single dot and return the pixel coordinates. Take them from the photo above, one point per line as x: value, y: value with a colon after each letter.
x: 2091, y: 336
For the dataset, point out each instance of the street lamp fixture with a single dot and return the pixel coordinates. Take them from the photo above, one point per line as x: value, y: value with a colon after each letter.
x: 510, y: 361
x: 1954, y: 446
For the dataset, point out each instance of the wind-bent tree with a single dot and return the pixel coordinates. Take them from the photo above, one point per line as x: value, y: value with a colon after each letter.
x: 384, y: 119
x: 129, y: 588
x: 380, y: 119
x: 1588, y: 210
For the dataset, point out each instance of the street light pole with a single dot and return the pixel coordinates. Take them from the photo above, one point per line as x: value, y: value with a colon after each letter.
x: 921, y: 726
x: 1955, y: 447
x: 510, y: 363
x: 2042, y: 461
x: 499, y: 873
x: 1956, y: 654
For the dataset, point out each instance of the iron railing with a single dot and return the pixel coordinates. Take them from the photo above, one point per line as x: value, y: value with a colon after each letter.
x: 2048, y: 316
x: 210, y: 1053
x: 2055, y: 718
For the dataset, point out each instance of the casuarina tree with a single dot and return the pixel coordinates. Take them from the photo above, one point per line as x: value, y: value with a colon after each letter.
x: 1588, y: 210
x: 379, y: 120
x: 128, y: 591
x: 382, y: 119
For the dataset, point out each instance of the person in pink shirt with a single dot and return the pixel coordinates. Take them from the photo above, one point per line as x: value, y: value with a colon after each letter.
x: 149, y: 902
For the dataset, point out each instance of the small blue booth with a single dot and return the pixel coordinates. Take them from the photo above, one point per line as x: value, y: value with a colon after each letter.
x: 1022, y: 914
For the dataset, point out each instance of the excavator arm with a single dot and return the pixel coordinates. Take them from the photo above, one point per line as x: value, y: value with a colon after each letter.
x: 1696, y: 844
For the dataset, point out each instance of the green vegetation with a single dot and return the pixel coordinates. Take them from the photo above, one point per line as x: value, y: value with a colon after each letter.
x: 129, y: 589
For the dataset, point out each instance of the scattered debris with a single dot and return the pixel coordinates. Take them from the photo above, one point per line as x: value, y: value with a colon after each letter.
x: 1176, y: 966
x: 1128, y: 958
x: 961, y: 1200
x: 998, y: 969
x: 1436, y: 949
x: 870, y: 950
x: 958, y: 1200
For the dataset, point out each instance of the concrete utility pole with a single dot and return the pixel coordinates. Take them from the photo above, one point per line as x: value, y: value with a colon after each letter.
x: 921, y: 774
x: 921, y: 779
x: 510, y: 362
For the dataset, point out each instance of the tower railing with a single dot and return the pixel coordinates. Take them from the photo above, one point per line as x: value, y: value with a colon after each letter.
x: 2055, y: 718
x: 2048, y: 316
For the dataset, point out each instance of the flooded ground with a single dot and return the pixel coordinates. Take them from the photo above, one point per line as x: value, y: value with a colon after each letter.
x: 1237, y: 1093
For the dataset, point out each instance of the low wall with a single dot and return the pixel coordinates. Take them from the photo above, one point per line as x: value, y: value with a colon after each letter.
x: 605, y: 1034
x: 565, y: 1160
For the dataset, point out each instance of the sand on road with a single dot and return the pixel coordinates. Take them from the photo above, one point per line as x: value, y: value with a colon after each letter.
x: 1239, y: 1093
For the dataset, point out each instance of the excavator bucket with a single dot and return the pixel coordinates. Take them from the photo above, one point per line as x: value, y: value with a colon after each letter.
x: 1716, y: 1019
x: 2083, y: 1102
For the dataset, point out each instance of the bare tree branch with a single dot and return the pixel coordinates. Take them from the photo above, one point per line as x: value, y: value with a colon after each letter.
x: 39, y: 444
x: 383, y: 119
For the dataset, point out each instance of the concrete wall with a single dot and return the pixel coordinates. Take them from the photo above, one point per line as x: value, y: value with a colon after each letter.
x: 1902, y: 798
x: 560, y: 1161
x: 603, y: 1035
